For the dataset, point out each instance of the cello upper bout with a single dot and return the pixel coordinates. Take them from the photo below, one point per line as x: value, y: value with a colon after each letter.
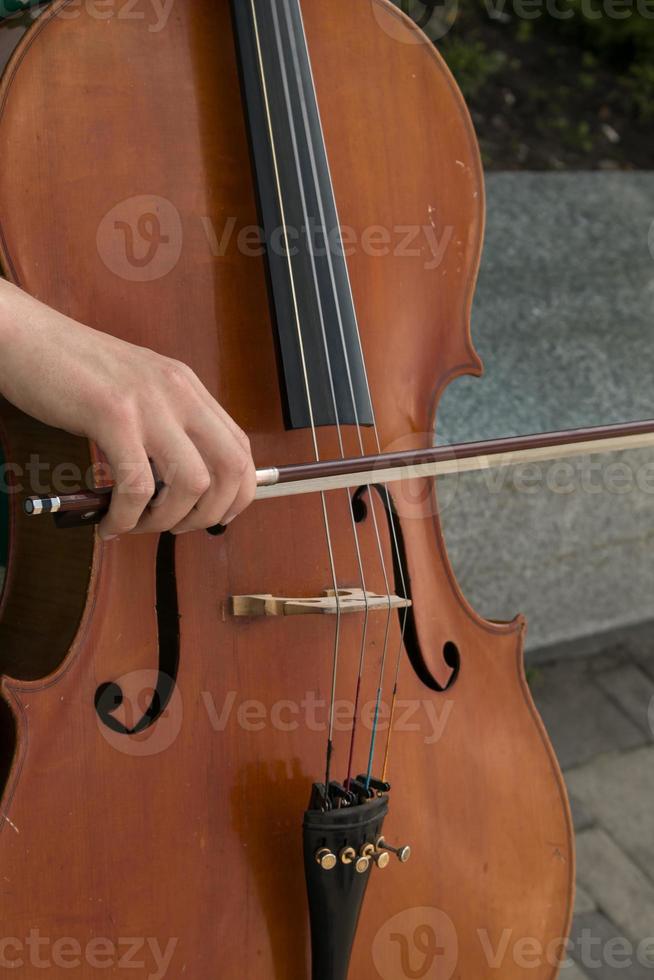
x: 410, y: 193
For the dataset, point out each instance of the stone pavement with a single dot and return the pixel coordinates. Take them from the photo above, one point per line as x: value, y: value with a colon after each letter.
x: 599, y: 711
x: 564, y: 322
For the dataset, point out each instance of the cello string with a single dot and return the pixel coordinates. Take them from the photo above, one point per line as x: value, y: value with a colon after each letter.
x: 339, y: 313
x: 321, y: 315
x: 394, y: 535
x: 296, y: 309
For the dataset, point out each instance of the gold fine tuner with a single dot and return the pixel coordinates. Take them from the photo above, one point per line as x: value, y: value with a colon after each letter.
x: 366, y: 855
x: 376, y: 854
x: 402, y: 853
x: 361, y: 861
x: 326, y: 859
x: 379, y: 854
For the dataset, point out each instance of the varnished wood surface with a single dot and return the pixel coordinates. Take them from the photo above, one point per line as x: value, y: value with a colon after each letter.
x: 192, y: 831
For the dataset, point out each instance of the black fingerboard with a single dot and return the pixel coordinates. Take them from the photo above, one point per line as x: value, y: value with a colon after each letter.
x: 322, y: 372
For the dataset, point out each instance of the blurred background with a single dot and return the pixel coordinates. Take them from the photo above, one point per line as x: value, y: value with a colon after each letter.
x: 561, y: 93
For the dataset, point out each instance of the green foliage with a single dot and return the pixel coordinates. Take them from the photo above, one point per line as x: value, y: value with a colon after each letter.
x: 615, y: 30
x: 525, y: 31
x: 551, y: 84
x: 642, y: 89
x: 625, y: 42
x: 472, y: 64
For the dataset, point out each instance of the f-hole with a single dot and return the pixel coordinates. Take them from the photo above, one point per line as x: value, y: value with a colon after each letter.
x: 450, y: 651
x: 109, y: 695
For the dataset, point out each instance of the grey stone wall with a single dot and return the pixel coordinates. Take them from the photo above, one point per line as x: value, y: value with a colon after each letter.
x: 564, y: 322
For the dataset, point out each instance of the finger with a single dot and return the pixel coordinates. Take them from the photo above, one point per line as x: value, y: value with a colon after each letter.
x: 233, y: 478
x: 210, y: 510
x: 214, y: 406
x: 234, y: 427
x: 220, y: 505
x: 133, y: 490
x: 186, y: 479
x: 245, y: 495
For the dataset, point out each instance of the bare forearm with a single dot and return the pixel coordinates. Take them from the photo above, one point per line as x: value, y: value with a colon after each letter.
x: 138, y: 406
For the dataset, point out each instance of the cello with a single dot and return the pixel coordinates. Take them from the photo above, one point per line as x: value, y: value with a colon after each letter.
x: 220, y: 751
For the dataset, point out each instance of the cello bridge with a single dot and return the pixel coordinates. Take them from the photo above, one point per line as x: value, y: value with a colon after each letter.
x: 328, y: 604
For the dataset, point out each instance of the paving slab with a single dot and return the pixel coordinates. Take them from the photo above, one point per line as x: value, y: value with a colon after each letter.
x: 611, y: 879
x: 645, y: 660
x: 584, y: 901
x: 570, y: 971
x: 633, y: 690
x: 603, y: 953
x: 563, y: 320
x: 581, y: 817
x: 581, y: 720
x: 618, y: 790
x: 633, y: 643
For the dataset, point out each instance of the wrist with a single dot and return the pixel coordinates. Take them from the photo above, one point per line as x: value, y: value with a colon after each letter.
x: 8, y: 317
x: 14, y: 328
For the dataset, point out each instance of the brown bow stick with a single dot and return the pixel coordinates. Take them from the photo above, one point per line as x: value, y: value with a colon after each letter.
x: 388, y: 467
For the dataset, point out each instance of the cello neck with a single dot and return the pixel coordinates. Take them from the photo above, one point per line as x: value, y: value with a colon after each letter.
x: 323, y: 376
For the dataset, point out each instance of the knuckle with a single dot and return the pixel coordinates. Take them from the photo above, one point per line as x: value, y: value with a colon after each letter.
x: 138, y: 486
x: 177, y: 374
x: 238, y: 463
x: 245, y: 442
x: 197, y: 482
x: 120, y: 411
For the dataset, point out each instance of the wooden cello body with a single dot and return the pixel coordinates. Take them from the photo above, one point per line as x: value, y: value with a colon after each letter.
x: 186, y: 832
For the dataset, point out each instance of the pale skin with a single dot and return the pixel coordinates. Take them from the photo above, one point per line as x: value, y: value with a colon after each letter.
x: 138, y: 407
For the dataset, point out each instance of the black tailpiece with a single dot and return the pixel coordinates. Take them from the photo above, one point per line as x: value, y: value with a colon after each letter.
x: 340, y: 847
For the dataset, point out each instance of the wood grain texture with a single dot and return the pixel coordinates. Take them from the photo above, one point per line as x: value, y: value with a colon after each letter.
x: 191, y: 832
